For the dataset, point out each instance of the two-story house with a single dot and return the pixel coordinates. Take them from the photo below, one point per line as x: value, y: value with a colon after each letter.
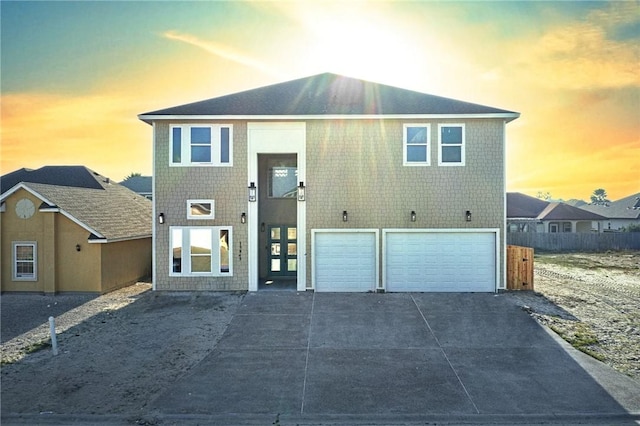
x: 330, y: 184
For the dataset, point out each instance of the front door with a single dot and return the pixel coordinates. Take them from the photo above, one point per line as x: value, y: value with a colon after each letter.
x: 283, y: 251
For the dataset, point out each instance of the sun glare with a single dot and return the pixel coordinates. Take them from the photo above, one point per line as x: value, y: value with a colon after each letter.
x: 354, y: 41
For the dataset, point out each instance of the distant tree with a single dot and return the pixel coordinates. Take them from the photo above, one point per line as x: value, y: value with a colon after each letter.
x: 599, y: 197
x: 632, y: 228
x: 544, y: 195
x: 132, y: 175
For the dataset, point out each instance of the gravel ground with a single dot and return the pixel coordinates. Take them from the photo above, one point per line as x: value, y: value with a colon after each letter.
x: 593, y: 302
x: 116, y: 352
x: 120, y: 350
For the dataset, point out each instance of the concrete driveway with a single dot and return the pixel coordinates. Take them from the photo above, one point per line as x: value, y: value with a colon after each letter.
x: 331, y: 358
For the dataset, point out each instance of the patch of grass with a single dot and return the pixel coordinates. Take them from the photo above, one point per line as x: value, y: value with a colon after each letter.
x: 37, y: 346
x: 576, y: 260
x: 581, y: 337
x: 31, y: 348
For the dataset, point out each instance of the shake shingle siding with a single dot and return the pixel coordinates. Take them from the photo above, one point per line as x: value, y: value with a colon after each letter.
x: 226, y: 185
x: 357, y: 166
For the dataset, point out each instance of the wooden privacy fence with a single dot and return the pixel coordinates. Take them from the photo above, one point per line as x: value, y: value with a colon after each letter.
x: 519, y: 268
x: 566, y: 241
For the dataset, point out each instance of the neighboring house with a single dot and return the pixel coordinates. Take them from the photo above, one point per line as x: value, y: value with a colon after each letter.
x: 619, y: 214
x: 529, y: 214
x: 67, y: 228
x: 333, y: 183
x: 140, y: 184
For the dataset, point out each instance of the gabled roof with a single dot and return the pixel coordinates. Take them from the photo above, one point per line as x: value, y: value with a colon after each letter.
x: 624, y: 208
x: 325, y: 95
x: 75, y: 176
x: 109, y: 211
x: 139, y: 184
x: 521, y: 206
x: 561, y: 211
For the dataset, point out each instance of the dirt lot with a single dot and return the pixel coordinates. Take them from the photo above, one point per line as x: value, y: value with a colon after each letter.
x: 593, y: 302
x: 120, y: 350
x: 116, y: 352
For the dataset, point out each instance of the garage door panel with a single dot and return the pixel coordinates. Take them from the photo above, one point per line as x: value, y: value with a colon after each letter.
x: 440, y: 261
x: 345, y: 261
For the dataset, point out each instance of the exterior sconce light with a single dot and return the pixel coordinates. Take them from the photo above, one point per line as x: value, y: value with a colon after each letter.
x: 301, y: 189
x: 252, y: 192
x: 468, y: 215
x: 262, y: 227
x: 161, y: 218
x: 413, y: 215
x: 243, y: 218
x: 78, y: 248
x: 345, y: 216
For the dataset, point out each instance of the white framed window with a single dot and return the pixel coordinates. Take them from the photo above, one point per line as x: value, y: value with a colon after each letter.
x: 25, y: 261
x: 201, y: 251
x: 200, y: 209
x: 201, y: 145
x: 416, y: 142
x: 451, y: 144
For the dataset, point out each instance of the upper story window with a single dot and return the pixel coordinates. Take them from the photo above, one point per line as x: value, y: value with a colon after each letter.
x: 416, y: 141
x: 451, y: 145
x: 198, y: 145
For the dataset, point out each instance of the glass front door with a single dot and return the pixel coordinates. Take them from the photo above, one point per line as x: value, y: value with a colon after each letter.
x: 283, y: 250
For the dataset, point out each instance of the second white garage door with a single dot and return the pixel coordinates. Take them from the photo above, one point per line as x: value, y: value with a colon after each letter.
x: 345, y: 260
x: 440, y: 261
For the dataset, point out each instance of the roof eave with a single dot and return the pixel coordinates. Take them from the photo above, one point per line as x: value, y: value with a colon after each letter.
x: 150, y: 118
x: 93, y: 239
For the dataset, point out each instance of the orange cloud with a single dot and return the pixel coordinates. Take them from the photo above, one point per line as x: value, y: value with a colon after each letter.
x: 98, y: 131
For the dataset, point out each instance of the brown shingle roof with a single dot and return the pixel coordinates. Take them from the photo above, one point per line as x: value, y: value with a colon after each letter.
x: 111, y: 213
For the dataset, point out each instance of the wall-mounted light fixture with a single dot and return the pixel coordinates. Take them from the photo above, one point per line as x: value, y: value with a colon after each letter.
x: 243, y: 218
x: 252, y: 191
x: 78, y: 247
x: 413, y: 215
x: 161, y: 218
x: 345, y: 216
x: 301, y: 189
x: 468, y: 215
x: 262, y: 227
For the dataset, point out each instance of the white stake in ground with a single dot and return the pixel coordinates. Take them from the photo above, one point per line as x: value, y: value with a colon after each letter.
x: 54, y: 341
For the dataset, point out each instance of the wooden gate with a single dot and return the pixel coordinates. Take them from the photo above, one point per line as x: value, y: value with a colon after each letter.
x: 519, y: 268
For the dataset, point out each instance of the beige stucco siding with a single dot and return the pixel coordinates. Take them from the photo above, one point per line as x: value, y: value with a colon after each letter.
x: 76, y: 270
x: 15, y: 229
x: 124, y: 263
x: 226, y: 185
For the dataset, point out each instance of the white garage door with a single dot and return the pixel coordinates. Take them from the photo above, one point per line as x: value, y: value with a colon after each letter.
x: 345, y: 261
x: 440, y: 261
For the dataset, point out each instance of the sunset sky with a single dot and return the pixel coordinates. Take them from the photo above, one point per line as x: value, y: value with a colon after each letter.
x: 75, y: 75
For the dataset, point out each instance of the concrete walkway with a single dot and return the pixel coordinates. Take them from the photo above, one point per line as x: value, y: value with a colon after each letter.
x: 331, y: 358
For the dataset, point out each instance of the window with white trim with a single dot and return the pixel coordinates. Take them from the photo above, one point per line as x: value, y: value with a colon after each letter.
x: 451, y: 144
x: 415, y: 143
x: 200, y: 209
x: 25, y: 261
x: 201, y: 251
x: 201, y: 145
